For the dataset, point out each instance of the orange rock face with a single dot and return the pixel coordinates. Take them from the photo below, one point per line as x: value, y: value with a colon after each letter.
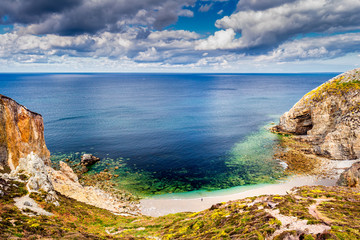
x: 21, y: 132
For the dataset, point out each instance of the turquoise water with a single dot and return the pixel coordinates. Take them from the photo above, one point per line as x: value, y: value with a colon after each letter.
x: 167, y: 132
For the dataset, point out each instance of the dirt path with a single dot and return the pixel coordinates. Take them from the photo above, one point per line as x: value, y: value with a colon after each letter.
x: 315, y: 212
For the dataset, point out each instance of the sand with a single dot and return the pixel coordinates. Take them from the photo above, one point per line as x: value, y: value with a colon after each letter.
x: 167, y: 204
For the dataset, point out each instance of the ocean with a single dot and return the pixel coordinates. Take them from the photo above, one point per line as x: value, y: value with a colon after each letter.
x: 172, y: 132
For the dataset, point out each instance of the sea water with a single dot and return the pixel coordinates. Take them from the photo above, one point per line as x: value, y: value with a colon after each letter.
x: 173, y: 132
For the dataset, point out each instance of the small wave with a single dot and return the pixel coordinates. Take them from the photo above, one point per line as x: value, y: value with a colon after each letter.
x: 65, y: 119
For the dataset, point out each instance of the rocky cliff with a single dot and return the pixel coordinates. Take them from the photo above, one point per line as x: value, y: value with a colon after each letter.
x: 23, y: 152
x: 328, y: 118
x: 21, y: 133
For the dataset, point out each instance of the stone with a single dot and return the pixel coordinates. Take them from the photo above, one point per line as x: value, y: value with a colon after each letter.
x: 271, y: 204
x: 38, y: 173
x: 328, y: 118
x: 22, y: 132
x: 88, y: 160
x: 26, y: 203
x: 65, y: 183
x: 350, y: 177
x: 22, y: 146
x: 68, y: 171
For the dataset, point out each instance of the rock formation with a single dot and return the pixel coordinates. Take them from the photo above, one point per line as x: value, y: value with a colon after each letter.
x: 328, y: 118
x: 87, y: 160
x: 351, y: 176
x: 23, y: 151
x: 21, y: 132
x: 65, y: 181
x: 22, y: 146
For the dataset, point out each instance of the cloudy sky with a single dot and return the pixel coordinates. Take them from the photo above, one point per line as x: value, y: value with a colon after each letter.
x: 179, y: 36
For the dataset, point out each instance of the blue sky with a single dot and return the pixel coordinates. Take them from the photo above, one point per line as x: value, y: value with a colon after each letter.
x: 179, y: 36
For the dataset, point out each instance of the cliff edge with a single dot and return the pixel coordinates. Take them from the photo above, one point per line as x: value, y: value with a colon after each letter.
x: 328, y: 118
x: 21, y: 133
x: 23, y: 152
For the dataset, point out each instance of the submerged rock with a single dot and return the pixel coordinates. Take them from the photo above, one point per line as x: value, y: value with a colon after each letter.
x: 328, y: 118
x: 351, y: 176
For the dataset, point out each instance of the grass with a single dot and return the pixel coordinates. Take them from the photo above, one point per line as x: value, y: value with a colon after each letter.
x: 336, y: 87
x: 241, y: 219
x: 296, y: 155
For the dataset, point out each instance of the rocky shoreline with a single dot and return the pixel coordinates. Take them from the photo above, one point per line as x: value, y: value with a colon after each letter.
x: 328, y: 118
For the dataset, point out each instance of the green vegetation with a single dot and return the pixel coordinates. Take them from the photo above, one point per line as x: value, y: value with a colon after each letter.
x: 297, y: 156
x: 249, y: 218
x: 337, y: 87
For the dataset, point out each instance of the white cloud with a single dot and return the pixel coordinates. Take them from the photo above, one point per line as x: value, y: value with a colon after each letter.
x: 205, y: 7
x: 149, y: 55
x: 314, y: 48
x: 274, y: 25
x: 179, y: 34
x: 223, y: 39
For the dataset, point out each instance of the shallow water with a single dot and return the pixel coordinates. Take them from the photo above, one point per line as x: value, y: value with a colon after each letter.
x: 181, y: 129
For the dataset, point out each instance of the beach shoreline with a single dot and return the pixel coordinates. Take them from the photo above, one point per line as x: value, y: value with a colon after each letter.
x: 163, y: 205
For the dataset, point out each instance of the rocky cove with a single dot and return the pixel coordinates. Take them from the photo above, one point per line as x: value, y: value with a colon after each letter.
x: 323, y: 125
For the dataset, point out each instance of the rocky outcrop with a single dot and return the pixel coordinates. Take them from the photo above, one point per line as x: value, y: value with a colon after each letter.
x: 88, y: 160
x: 351, y: 176
x: 38, y: 173
x: 21, y: 133
x: 66, y: 182
x: 23, y: 152
x: 328, y: 118
x: 22, y: 146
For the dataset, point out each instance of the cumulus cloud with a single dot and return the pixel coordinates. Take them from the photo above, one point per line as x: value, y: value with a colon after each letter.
x: 314, y: 48
x: 179, y: 34
x: 72, y: 17
x: 223, y: 39
x: 157, y: 46
x: 260, y: 4
x: 283, y: 20
x: 110, y: 31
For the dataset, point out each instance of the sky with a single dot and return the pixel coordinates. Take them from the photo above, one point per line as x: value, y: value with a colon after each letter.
x: 255, y: 36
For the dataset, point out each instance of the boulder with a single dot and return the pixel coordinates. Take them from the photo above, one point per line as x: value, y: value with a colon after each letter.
x: 88, y: 160
x: 328, y: 118
x: 351, y: 176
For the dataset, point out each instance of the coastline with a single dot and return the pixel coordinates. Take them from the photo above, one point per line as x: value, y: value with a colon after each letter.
x: 166, y: 204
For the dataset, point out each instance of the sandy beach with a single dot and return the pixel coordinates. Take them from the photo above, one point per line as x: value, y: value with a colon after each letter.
x: 167, y: 204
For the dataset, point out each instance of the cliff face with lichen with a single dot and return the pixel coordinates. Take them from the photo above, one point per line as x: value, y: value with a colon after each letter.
x: 328, y: 118
x: 21, y: 133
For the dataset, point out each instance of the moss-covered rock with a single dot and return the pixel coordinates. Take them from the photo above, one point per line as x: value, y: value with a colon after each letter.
x: 328, y: 117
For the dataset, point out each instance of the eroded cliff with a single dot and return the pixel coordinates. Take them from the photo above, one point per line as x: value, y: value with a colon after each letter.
x: 328, y: 118
x: 21, y: 133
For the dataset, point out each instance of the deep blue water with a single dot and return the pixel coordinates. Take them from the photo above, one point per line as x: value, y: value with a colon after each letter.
x: 161, y: 122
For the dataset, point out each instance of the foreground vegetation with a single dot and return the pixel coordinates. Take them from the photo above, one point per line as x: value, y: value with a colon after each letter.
x: 337, y: 208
